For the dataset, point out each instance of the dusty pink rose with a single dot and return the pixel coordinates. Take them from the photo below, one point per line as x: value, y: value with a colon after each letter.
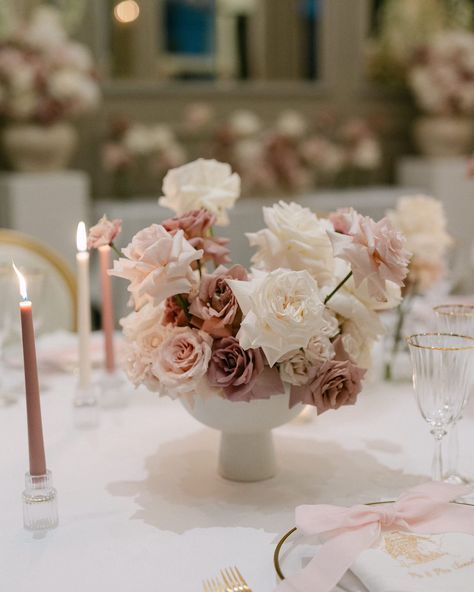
x: 332, y: 383
x: 174, y: 313
x: 215, y: 308
x: 157, y: 265
x: 197, y: 227
x: 182, y: 360
x: 376, y: 253
x: 242, y: 374
x: 103, y: 233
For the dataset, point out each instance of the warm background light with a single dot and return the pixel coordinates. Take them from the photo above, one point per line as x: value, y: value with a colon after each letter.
x: 126, y: 11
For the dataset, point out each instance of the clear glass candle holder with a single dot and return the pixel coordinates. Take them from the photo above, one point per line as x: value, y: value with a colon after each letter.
x: 114, y: 389
x: 86, y: 406
x: 40, y: 504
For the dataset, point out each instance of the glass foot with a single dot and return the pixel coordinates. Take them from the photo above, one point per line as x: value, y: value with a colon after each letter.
x: 455, y: 479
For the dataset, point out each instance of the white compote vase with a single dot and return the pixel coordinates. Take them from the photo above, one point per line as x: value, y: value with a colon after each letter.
x: 246, y: 451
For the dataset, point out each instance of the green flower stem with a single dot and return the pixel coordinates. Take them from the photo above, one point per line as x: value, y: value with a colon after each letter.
x: 117, y: 252
x: 402, y: 311
x: 338, y: 287
x: 183, y: 304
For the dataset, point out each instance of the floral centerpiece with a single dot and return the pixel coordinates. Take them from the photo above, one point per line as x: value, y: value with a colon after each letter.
x: 292, y: 154
x: 46, y: 80
x: 441, y: 76
x: 298, y: 327
x: 422, y: 220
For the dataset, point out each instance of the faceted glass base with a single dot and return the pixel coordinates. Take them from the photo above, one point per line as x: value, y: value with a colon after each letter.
x: 86, y: 407
x: 114, y: 390
x: 40, y: 505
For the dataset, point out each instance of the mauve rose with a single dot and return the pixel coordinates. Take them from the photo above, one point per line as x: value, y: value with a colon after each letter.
x: 234, y: 369
x: 332, y: 384
x: 197, y: 227
x: 103, y: 233
x: 215, y: 308
x: 242, y: 374
x: 174, y: 314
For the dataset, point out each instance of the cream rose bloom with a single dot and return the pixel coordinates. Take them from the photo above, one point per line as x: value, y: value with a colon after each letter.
x: 157, y: 265
x: 296, y: 239
x: 181, y: 362
x: 294, y: 368
x: 423, y: 222
x: 281, y: 310
x: 207, y: 184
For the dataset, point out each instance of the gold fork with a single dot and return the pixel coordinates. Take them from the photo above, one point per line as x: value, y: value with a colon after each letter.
x: 213, y: 586
x: 234, y: 580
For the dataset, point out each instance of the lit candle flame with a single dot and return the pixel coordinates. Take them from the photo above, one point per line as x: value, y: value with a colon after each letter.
x: 81, y: 237
x: 21, y: 282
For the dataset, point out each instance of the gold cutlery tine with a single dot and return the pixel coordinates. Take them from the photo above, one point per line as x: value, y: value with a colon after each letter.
x: 214, y: 585
x: 240, y: 577
x: 234, y: 580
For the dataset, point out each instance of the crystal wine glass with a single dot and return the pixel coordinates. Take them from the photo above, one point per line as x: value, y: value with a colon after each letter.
x: 459, y: 319
x: 443, y: 375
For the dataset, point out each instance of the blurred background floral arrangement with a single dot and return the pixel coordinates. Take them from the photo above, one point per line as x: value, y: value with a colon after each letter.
x: 290, y: 155
x: 46, y: 81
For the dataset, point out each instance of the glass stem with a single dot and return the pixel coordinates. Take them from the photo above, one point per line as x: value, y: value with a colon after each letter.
x: 437, y: 467
x: 453, y: 449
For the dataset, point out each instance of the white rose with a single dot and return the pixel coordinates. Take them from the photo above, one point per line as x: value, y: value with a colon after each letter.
x: 367, y: 154
x: 71, y: 85
x: 291, y: 124
x: 138, y: 140
x: 207, y: 184
x: 423, y: 222
x: 245, y: 123
x: 46, y: 30
x: 319, y: 349
x: 281, y: 310
x: 357, y: 345
x: 296, y: 239
x: 350, y: 308
x: 161, y: 136
x: 294, y: 369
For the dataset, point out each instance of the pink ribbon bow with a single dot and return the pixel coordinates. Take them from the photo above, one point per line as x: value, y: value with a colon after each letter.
x: 349, y: 531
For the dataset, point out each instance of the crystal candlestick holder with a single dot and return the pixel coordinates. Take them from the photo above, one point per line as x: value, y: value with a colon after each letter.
x: 86, y: 407
x: 114, y: 390
x: 40, y: 505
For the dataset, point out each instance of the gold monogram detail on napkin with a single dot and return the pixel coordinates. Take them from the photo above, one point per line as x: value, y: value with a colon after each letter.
x: 411, y: 549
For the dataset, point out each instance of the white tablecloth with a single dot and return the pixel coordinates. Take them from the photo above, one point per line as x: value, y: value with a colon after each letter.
x: 142, y: 508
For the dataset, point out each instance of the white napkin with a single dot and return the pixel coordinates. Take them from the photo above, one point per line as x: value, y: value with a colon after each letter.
x: 407, y: 562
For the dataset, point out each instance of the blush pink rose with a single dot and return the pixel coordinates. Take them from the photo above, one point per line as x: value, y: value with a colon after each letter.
x: 197, y: 227
x: 215, y: 308
x: 332, y: 383
x: 157, y: 265
x: 242, y: 374
x: 344, y: 219
x: 182, y: 360
x: 376, y: 253
x: 103, y: 233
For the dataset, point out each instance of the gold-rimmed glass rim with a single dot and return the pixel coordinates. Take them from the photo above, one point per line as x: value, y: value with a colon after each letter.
x: 411, y: 342
x: 468, y: 308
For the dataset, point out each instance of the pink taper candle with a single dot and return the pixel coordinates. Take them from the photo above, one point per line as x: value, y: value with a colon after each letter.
x: 107, y: 309
x: 33, y: 404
